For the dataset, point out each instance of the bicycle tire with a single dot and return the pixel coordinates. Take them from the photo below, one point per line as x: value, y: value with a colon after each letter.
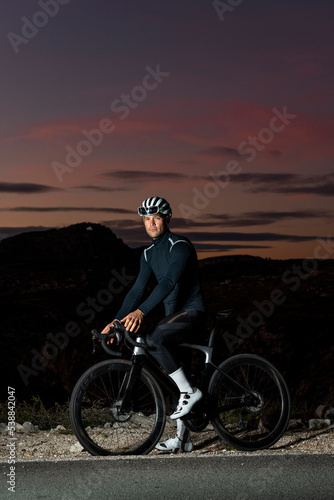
x: 243, y: 426
x: 94, y: 415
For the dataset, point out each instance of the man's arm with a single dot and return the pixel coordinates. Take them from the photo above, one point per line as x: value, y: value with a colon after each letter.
x: 135, y: 295
x: 129, y: 313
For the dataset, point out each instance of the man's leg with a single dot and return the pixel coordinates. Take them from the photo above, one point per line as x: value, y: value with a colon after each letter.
x: 170, y: 332
x: 181, y: 441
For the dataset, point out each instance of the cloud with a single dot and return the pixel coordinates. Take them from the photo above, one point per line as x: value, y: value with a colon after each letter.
x: 267, y: 179
x: 287, y: 183
x: 210, y: 247
x: 41, y: 131
x: 220, y: 152
x: 145, y: 175
x: 234, y: 236
x: 244, y: 219
x: 189, y: 162
x: 25, y: 188
x: 104, y: 188
x: 256, y: 182
x: 68, y: 209
x: 261, y: 218
x: 321, y: 190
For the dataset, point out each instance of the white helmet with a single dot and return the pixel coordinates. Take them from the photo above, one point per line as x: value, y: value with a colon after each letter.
x: 155, y: 205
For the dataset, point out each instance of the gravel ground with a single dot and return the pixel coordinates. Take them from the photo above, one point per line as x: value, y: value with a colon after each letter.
x: 59, y: 444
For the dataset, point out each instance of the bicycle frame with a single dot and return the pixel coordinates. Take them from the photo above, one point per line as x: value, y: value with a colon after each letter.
x: 141, y: 360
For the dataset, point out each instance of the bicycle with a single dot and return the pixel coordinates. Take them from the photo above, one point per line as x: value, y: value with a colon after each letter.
x: 119, y: 406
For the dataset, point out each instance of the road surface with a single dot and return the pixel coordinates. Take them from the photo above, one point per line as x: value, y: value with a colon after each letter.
x: 180, y: 477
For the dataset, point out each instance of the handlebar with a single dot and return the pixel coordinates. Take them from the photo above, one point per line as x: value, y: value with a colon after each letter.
x: 116, y: 332
x: 104, y: 338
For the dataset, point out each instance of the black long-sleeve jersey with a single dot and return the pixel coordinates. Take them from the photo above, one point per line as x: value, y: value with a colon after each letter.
x: 173, y: 261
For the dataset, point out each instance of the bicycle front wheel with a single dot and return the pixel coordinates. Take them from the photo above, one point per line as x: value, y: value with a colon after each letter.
x: 96, y: 419
x: 241, y: 424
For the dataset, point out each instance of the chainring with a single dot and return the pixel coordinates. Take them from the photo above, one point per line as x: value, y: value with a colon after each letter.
x: 196, y: 423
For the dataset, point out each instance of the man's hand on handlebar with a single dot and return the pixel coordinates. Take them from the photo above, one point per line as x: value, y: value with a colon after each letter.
x: 133, y: 320
x: 106, y: 330
x: 132, y: 323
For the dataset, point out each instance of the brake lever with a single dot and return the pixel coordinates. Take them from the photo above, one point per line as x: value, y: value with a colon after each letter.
x: 103, y: 338
x: 94, y: 345
x: 118, y: 337
x: 95, y: 335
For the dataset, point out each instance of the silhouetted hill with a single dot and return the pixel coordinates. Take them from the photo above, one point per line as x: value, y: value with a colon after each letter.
x: 56, y: 285
x: 80, y: 246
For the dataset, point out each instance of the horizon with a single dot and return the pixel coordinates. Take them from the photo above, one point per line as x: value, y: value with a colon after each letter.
x: 322, y: 246
x: 225, y: 110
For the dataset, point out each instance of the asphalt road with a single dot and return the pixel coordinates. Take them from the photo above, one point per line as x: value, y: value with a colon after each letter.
x: 237, y: 477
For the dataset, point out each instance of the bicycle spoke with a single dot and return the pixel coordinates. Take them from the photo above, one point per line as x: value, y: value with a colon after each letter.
x: 97, y: 417
x: 250, y: 422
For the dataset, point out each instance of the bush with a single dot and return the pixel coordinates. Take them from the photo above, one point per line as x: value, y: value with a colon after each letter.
x: 38, y: 414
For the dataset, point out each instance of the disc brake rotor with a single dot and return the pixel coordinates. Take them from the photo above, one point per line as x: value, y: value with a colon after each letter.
x: 120, y: 416
x: 259, y: 404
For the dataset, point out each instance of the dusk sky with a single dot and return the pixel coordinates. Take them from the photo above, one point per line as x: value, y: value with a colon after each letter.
x: 223, y: 108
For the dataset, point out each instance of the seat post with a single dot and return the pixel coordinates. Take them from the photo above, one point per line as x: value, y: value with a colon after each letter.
x: 212, y: 334
x: 218, y: 316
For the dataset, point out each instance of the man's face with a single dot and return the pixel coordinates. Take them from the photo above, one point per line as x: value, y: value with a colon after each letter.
x: 155, y: 225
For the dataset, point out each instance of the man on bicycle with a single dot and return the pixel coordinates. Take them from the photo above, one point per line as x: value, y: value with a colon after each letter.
x: 173, y: 261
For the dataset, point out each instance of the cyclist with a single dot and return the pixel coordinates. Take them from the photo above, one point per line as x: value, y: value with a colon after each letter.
x: 173, y: 261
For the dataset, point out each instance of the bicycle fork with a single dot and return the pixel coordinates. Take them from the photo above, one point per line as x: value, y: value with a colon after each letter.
x: 125, y: 391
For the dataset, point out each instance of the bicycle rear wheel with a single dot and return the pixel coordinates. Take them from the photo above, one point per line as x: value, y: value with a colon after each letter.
x: 243, y: 425
x: 95, y: 413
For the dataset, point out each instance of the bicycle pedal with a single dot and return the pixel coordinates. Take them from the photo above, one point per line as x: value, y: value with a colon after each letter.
x: 194, y: 414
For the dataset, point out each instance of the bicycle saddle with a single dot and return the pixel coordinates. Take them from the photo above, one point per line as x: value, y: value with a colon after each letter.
x: 223, y: 314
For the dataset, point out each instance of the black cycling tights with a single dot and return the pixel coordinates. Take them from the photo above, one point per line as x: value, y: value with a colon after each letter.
x: 173, y: 330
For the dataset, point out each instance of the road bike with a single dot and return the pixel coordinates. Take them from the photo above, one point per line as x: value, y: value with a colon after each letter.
x: 120, y: 406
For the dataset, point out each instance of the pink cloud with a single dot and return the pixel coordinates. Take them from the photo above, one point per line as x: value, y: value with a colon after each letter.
x: 199, y: 125
x: 44, y: 131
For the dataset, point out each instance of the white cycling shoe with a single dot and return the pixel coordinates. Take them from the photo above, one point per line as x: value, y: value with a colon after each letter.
x: 174, y: 443
x: 186, y: 402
